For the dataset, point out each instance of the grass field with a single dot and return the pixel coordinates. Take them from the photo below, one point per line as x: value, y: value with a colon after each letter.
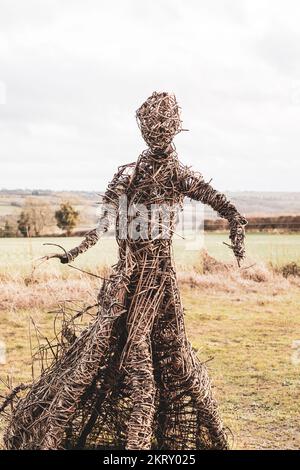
x: 244, y: 323
x: 18, y: 254
x: 8, y: 210
x: 250, y: 338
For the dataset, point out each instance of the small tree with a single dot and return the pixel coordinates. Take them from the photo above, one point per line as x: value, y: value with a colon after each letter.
x: 24, y: 224
x: 39, y: 213
x: 8, y: 230
x: 66, y: 217
x: 35, y: 217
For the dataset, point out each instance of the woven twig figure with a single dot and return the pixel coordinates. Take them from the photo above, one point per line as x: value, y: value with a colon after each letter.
x: 131, y: 379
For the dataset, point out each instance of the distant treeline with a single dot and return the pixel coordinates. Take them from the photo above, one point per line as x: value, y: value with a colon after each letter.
x: 284, y: 223
x: 256, y: 224
x: 37, y: 218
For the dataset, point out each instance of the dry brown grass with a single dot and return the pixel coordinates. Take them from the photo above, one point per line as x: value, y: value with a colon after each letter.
x: 45, y: 287
x: 247, y: 320
x: 208, y: 273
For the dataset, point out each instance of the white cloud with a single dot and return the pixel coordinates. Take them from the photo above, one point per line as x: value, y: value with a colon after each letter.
x: 75, y: 72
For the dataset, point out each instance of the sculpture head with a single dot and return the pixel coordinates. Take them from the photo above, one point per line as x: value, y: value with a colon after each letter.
x: 159, y: 120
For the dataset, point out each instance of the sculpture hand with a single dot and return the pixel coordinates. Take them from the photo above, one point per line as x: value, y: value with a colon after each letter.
x: 237, y: 237
x: 63, y: 257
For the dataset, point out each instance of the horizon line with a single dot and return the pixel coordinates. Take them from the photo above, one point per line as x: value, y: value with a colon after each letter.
x: 102, y: 191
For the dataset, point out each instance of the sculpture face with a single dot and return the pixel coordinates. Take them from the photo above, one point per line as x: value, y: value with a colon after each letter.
x: 159, y: 120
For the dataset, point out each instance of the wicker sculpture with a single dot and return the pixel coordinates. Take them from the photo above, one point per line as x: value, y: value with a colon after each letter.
x: 131, y: 380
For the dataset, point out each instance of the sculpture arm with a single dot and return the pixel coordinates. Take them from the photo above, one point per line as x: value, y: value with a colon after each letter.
x: 192, y: 185
x: 110, y: 204
x: 90, y: 239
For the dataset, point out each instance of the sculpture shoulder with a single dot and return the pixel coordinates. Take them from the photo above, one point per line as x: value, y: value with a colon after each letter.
x: 188, y: 178
x: 119, y: 183
x: 124, y: 172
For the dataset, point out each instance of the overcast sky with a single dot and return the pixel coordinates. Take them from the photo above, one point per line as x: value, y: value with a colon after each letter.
x: 72, y: 74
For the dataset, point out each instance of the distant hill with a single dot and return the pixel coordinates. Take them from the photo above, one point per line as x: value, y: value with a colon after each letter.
x: 252, y: 203
x: 249, y: 203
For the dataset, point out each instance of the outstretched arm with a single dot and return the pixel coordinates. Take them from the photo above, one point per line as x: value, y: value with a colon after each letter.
x: 192, y: 184
x: 110, y: 204
x: 91, y: 238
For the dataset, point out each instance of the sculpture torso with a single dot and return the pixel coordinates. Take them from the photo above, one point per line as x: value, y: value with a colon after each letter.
x: 148, y: 202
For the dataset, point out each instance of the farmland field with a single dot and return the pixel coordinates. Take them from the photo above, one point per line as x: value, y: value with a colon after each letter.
x: 18, y: 254
x: 246, y: 324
